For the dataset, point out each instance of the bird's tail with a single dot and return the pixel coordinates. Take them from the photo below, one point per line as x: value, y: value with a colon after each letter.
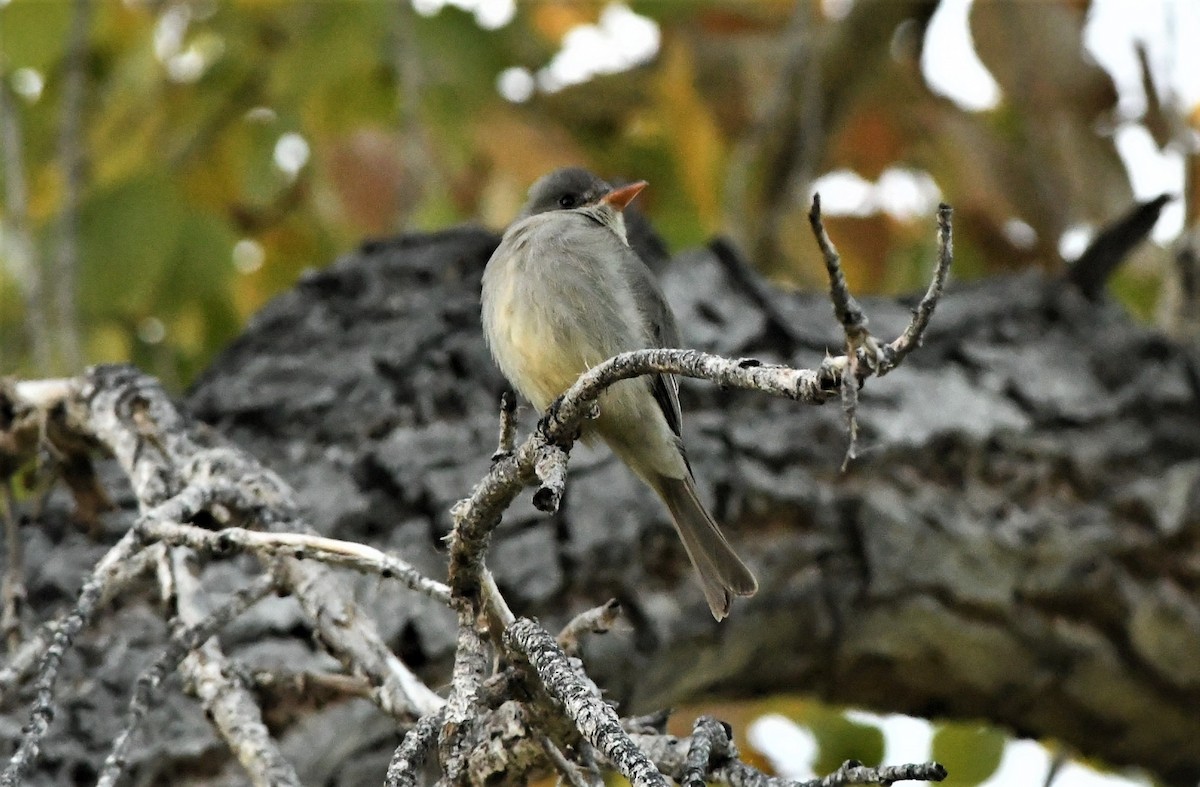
x: 722, y: 573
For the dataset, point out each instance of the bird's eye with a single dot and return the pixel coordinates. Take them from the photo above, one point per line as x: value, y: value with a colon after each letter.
x: 566, y: 201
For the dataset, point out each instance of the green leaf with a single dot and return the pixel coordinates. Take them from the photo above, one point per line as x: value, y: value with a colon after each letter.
x: 33, y: 34
x: 971, y: 753
x: 840, y: 739
x: 128, y: 234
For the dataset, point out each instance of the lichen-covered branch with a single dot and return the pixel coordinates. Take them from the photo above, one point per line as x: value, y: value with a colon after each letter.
x: 595, y: 719
x: 182, y: 642
x: 410, y: 754
x: 227, y: 702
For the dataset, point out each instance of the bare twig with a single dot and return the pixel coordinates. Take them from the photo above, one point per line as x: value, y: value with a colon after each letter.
x: 910, y: 340
x: 597, y: 620
x: 595, y: 719
x: 182, y: 642
x: 154, y: 443
x: 847, y: 310
x: 305, y: 684
x: 300, y: 546
x: 508, y: 426
x: 853, y: 772
x: 864, y: 353
x: 572, y: 774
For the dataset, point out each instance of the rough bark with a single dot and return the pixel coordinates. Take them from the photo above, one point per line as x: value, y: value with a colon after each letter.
x: 1017, y: 540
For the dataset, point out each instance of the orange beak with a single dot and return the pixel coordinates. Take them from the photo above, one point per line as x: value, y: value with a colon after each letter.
x: 619, y: 198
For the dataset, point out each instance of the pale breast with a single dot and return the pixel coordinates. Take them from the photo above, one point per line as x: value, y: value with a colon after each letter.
x: 553, y: 306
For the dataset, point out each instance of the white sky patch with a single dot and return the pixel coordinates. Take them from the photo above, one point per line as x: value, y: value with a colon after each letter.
x: 792, y: 749
x: 949, y: 62
x: 1027, y: 762
x: 1168, y: 29
x: 1074, y: 241
x: 248, y: 256
x: 291, y: 153
x: 906, y: 193
x: 1151, y: 173
x: 516, y: 84
x: 28, y: 83
x: 620, y: 40
x: 489, y: 14
x: 191, y: 63
x: 901, y: 193
x: 1020, y: 234
x: 844, y: 193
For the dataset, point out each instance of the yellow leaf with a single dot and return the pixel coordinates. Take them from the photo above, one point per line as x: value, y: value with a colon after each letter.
x: 691, y: 127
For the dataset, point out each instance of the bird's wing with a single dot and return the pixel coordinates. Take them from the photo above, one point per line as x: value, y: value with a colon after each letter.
x: 659, y: 322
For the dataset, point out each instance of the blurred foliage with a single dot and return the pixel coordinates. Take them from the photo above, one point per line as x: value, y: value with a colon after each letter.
x: 743, y: 106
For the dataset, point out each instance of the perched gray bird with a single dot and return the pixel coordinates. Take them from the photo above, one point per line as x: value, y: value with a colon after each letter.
x: 565, y: 292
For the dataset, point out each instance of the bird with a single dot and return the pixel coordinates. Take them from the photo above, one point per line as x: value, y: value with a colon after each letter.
x: 564, y: 292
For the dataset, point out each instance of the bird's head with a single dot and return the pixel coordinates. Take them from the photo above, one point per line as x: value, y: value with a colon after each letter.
x: 574, y: 187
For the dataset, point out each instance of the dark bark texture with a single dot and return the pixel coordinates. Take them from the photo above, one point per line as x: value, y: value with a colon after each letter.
x: 1018, y: 541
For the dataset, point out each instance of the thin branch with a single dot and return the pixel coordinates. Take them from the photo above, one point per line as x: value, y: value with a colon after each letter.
x: 305, y: 685
x: 182, y: 642
x: 508, y: 426
x: 911, y: 338
x: 154, y: 443
x: 847, y: 310
x: 670, y: 755
x: 226, y: 700
x: 594, y: 718
x: 853, y: 772
x: 598, y: 620
x: 572, y: 774
x: 182, y: 506
x: 300, y: 546
x: 21, y: 663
